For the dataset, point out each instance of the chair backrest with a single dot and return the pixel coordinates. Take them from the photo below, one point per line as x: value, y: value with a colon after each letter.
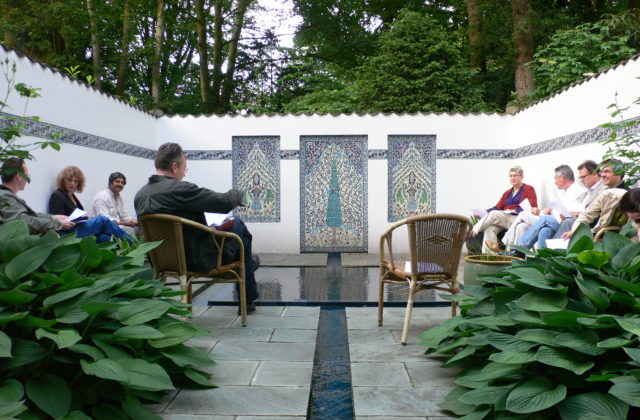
x: 435, y: 242
x: 170, y: 255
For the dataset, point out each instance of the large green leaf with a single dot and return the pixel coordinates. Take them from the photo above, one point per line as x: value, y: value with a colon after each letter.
x: 24, y: 352
x: 13, y: 229
x: 581, y: 240
x: 90, y: 253
x: 625, y: 256
x: 534, y: 395
x: 614, y: 343
x: 62, y: 338
x: 28, y: 261
x: 139, y: 311
x: 633, y: 353
x: 135, y: 410
x: 51, y: 394
x: 542, y: 301
x: 583, y: 342
x: 593, y: 406
x: 628, y: 392
x: 565, y: 318
x: 629, y: 324
x: 591, y: 291
x: 175, y: 332
x: 146, y: 376
x: 62, y: 258
x: 506, y: 342
x: 91, y: 351
x: 594, y: 258
x: 138, y: 332
x: 185, y: 356
x: 105, y: 369
x: 11, y: 390
x: 62, y: 296
x: 537, y: 335
x: 200, y: 378
x: 5, y: 345
x: 486, y: 395
x: 563, y: 359
x: 513, y: 357
x: 33, y: 321
x: 452, y: 402
x: 10, y: 411
x: 137, y: 255
x: 495, y: 370
x: 434, y: 335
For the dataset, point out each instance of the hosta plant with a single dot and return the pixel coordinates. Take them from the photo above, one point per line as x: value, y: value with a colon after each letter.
x: 555, y: 336
x: 85, y: 332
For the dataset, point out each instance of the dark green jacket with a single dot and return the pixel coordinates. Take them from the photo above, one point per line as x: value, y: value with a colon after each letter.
x: 13, y: 207
x: 164, y: 194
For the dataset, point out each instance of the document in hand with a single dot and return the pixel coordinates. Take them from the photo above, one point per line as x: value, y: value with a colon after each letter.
x: 218, y: 219
x: 525, y: 205
x: 479, y: 212
x: 557, y: 243
x: 77, y: 213
x: 558, y: 209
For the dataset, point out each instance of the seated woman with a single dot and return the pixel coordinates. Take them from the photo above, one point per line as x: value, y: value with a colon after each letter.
x: 502, y: 215
x: 64, y: 201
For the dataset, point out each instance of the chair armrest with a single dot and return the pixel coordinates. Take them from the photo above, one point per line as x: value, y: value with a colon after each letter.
x: 218, y: 237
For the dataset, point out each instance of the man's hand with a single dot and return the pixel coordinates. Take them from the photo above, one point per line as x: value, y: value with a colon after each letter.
x: 535, y: 211
x: 66, y: 223
x: 130, y: 223
x: 548, y: 210
x: 567, y: 235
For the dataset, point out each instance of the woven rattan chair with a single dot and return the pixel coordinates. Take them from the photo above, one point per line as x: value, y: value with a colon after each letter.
x: 435, y: 245
x: 169, y: 259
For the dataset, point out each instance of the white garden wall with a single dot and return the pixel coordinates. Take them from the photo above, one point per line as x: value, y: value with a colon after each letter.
x: 111, y: 135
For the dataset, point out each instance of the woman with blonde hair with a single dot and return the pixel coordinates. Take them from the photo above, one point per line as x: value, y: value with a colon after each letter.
x: 64, y: 201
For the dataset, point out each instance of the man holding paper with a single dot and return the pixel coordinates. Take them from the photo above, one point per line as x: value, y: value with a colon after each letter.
x: 166, y: 192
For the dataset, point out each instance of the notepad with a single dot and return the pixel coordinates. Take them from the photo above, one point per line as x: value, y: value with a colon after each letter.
x: 77, y: 213
x: 557, y: 243
x: 217, y: 219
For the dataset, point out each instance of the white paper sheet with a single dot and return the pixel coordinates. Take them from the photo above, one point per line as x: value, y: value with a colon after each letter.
x: 479, y: 212
x: 217, y: 219
x: 525, y: 205
x: 77, y: 213
x: 557, y: 243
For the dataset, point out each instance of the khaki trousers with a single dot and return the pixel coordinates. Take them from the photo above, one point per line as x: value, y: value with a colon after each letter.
x: 492, y: 224
x: 520, y: 225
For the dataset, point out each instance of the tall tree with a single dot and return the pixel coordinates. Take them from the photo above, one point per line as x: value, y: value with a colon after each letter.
x: 124, y: 53
x: 157, y: 53
x: 474, y: 29
x: 232, y: 55
x: 523, y: 42
x: 201, y: 33
x: 95, y: 45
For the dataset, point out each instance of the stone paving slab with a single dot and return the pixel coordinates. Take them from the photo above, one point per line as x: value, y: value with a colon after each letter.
x: 302, y: 311
x: 379, y: 374
x: 239, y: 350
x: 283, y: 374
x: 233, y: 372
x: 431, y: 373
x: 292, y: 260
x: 242, y: 334
x: 371, y: 336
x: 242, y: 400
x: 289, y: 335
x: 215, y: 321
x: 365, y: 352
x: 399, y: 401
x: 296, y: 322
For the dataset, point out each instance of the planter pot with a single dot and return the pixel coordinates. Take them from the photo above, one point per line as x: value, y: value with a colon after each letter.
x: 475, y: 265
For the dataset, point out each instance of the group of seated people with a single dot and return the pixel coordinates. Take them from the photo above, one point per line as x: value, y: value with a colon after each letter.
x: 600, y: 199
x: 166, y: 192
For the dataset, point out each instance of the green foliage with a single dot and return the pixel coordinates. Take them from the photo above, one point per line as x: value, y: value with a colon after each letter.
x: 572, y: 54
x: 553, y: 337
x: 84, y: 330
x: 623, y: 143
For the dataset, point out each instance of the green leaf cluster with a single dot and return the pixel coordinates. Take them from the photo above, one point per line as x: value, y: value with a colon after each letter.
x: 85, y: 332
x: 555, y: 336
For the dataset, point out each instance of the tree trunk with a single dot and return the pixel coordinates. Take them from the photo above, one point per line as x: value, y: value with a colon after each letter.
x: 157, y: 54
x: 227, y: 87
x: 523, y: 43
x: 124, y: 54
x: 95, y: 45
x: 201, y: 34
x: 217, y: 55
x: 476, y: 48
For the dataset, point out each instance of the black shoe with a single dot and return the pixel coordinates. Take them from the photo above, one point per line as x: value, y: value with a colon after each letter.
x: 516, y: 253
x: 256, y: 262
x: 251, y: 307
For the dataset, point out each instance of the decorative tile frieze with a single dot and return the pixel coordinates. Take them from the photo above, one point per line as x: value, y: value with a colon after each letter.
x: 256, y: 173
x: 377, y: 154
x: 208, y: 154
x: 411, y: 176
x: 333, y: 193
x: 289, y: 154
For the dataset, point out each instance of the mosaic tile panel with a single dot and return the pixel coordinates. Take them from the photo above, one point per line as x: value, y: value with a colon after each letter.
x: 256, y: 172
x: 412, y: 176
x: 333, y: 193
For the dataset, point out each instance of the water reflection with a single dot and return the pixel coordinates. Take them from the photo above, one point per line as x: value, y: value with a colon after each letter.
x: 316, y: 285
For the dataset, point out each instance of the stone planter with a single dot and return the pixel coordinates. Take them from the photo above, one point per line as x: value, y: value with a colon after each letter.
x: 475, y: 265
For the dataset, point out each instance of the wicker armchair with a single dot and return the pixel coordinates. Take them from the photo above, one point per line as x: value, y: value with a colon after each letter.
x: 169, y: 259
x: 435, y: 245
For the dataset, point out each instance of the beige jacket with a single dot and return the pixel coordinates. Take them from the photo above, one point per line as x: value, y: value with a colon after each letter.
x: 603, y: 207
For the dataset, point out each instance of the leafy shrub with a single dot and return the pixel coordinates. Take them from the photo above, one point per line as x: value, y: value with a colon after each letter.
x: 553, y: 337
x: 84, y: 333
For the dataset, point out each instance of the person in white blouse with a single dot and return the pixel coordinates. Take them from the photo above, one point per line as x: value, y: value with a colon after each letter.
x: 109, y: 203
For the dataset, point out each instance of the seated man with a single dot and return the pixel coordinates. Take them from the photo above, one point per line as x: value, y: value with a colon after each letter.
x: 570, y: 194
x: 14, y: 178
x: 500, y: 216
x: 630, y: 205
x: 602, y: 211
x: 109, y: 203
x: 167, y: 193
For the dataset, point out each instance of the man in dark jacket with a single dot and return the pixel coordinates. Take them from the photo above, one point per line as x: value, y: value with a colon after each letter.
x: 166, y: 192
